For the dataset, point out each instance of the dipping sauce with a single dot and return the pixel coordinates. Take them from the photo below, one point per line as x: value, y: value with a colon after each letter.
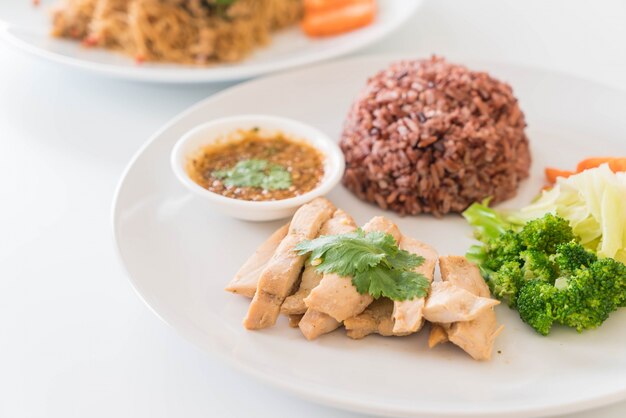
x: 258, y: 167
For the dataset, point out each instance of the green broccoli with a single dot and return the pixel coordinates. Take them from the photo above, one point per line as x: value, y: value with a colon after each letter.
x: 545, y: 234
x: 501, y: 250
x: 537, y: 265
x: 578, y: 305
x: 506, y: 282
x: 583, y: 303
x: 546, y: 274
x: 535, y: 305
x: 609, y: 276
x: 572, y: 256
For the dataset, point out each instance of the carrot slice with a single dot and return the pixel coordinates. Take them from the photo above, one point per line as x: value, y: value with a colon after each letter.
x: 341, y: 20
x: 320, y: 6
x: 553, y: 173
x: 615, y: 163
x: 618, y: 164
x: 591, y: 163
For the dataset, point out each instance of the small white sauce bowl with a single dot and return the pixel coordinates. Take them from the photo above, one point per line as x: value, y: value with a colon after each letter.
x: 220, y: 129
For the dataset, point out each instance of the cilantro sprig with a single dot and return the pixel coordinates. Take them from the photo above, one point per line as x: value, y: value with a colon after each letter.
x: 373, y: 260
x: 255, y: 173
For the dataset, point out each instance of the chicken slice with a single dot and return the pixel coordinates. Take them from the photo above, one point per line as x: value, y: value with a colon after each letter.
x: 408, y: 315
x: 246, y: 279
x: 294, y: 320
x: 314, y: 323
x: 460, y: 272
x: 283, y: 269
x: 448, y: 303
x: 340, y: 223
x: 294, y: 304
x: 376, y: 319
x: 438, y: 334
x: 335, y: 295
x: 475, y: 337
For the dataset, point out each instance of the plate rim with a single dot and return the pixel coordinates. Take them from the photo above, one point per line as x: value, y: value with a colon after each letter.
x: 314, y: 395
x: 205, y: 74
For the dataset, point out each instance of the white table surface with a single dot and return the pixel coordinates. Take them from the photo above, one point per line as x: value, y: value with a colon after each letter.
x: 75, y: 340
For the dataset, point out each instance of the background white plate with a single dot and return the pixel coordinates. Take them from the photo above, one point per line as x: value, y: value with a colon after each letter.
x: 28, y: 28
x: 180, y: 255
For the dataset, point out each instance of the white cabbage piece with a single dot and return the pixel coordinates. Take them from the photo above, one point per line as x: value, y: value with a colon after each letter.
x: 594, y: 203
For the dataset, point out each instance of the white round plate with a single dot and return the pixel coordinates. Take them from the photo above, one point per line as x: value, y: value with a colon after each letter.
x: 179, y: 256
x: 28, y: 28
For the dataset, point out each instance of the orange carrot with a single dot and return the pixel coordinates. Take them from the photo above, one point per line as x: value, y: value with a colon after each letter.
x: 319, y: 6
x: 618, y: 164
x: 615, y: 164
x: 360, y: 13
x: 553, y: 173
x: 591, y: 163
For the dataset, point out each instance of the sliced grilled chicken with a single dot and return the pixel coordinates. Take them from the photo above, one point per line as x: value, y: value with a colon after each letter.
x: 246, y: 280
x: 376, y: 319
x: 460, y: 272
x: 314, y: 323
x: 475, y: 337
x: 448, y: 303
x: 408, y: 315
x: 438, y: 334
x: 340, y: 223
x: 283, y: 270
x: 294, y: 320
x: 335, y: 295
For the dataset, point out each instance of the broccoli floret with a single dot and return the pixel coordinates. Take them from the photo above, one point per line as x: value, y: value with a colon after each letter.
x: 501, y: 250
x: 549, y: 277
x: 535, y: 305
x: 506, y: 282
x: 537, y: 265
x: 609, y: 277
x: 592, y: 294
x: 572, y: 256
x: 545, y: 234
x: 584, y: 303
x: 579, y: 305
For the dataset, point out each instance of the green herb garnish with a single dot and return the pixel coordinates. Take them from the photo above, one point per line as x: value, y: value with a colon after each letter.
x: 255, y: 173
x: 373, y: 260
